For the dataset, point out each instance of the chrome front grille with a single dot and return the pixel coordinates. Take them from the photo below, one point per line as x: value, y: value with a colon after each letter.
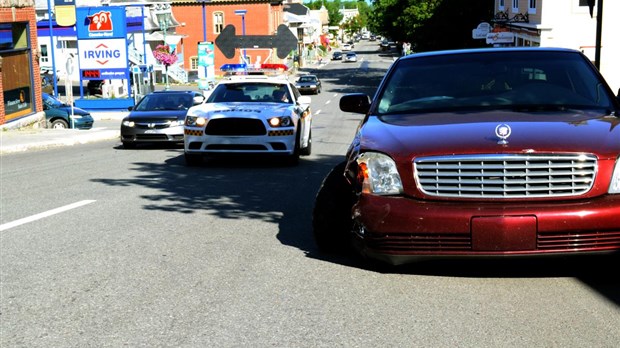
x: 505, y: 176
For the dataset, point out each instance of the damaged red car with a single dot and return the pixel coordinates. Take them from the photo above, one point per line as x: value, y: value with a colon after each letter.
x: 484, y: 152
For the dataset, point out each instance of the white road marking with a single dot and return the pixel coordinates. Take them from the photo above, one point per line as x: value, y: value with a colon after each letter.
x: 44, y: 214
x: 317, y: 112
x: 327, y: 102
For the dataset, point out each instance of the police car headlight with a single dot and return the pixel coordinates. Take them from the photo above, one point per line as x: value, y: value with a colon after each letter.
x: 195, y: 121
x: 128, y: 123
x: 378, y: 175
x: 285, y: 121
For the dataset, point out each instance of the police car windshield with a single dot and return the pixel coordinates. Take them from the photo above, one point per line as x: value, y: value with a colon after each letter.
x: 250, y: 92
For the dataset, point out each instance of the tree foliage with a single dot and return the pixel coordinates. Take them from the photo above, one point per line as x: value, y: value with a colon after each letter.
x: 427, y: 24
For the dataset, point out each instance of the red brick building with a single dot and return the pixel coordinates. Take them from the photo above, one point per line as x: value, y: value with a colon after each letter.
x: 20, y: 84
x: 262, y: 17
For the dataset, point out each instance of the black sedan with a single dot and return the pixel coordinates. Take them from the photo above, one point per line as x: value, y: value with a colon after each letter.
x: 158, y: 117
x: 337, y: 55
x: 308, y: 83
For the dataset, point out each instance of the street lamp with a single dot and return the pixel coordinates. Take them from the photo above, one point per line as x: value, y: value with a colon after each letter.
x: 242, y: 14
x: 164, y: 21
x: 204, y: 24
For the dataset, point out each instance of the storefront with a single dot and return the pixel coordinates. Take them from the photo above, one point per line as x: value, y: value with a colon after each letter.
x: 20, y: 90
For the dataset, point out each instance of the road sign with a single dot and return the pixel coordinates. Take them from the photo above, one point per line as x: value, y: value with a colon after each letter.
x: 284, y: 41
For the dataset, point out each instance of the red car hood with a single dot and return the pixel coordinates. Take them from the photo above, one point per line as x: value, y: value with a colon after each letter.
x: 407, y: 136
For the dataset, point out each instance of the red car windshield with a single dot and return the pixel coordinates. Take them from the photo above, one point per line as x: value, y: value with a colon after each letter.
x: 523, y: 80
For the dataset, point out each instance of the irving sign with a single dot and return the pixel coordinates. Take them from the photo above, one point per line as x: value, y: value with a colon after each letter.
x: 102, y: 42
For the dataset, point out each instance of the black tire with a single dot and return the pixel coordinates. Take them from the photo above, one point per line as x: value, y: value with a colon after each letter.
x: 331, y: 217
x: 129, y: 145
x: 306, y: 151
x: 59, y: 124
x: 293, y: 159
x: 192, y: 160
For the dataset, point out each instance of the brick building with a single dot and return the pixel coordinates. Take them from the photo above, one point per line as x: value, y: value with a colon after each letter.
x: 20, y: 84
x: 261, y: 17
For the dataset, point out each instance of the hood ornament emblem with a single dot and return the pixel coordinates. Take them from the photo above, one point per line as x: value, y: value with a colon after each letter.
x: 503, y: 131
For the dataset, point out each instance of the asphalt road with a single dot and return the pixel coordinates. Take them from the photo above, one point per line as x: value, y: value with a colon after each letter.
x: 106, y: 247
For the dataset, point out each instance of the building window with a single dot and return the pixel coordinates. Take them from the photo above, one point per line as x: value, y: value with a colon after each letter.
x: 531, y: 9
x: 18, y: 90
x: 44, y: 58
x: 218, y: 22
x: 193, y: 63
x: 515, y: 6
x: 502, y: 4
x: 583, y: 2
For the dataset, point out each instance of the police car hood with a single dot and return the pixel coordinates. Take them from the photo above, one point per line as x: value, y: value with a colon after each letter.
x: 241, y: 109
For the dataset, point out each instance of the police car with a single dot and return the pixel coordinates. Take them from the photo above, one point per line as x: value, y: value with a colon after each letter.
x: 250, y: 114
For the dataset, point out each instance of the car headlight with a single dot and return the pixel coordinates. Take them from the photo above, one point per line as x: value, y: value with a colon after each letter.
x: 378, y: 174
x: 614, y: 186
x: 128, y: 123
x: 176, y: 123
x: 195, y: 121
x: 76, y: 116
x: 285, y: 121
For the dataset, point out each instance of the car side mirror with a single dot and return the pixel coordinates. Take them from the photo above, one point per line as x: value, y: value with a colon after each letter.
x: 358, y: 103
x: 304, y: 100
x: 130, y: 108
x: 199, y: 100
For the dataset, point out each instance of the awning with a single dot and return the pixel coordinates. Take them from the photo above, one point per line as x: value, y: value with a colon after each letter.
x: 293, y: 18
x: 171, y: 39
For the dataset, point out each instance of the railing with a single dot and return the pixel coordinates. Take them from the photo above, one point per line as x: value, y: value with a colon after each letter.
x: 135, y: 56
x: 177, y: 73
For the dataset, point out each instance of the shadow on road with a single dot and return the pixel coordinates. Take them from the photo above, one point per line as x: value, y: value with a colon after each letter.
x: 263, y: 189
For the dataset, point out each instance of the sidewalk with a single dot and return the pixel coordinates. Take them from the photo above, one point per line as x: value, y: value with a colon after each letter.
x: 20, y: 140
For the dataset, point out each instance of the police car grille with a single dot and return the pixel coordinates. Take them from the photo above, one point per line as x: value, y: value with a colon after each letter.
x: 235, y: 126
x: 506, y: 176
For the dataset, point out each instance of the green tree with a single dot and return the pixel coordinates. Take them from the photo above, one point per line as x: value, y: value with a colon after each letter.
x: 430, y: 24
x: 335, y: 17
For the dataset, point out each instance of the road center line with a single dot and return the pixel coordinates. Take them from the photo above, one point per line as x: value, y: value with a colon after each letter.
x: 44, y: 214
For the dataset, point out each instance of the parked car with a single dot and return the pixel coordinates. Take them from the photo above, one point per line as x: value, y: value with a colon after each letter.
x: 350, y: 57
x: 337, y: 55
x: 158, y: 118
x: 60, y: 115
x: 308, y: 83
x: 488, y: 152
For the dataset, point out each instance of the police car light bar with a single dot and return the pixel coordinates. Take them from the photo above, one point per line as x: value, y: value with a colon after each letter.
x: 244, y: 69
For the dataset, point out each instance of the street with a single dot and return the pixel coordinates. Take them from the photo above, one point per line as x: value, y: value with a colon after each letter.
x: 148, y: 252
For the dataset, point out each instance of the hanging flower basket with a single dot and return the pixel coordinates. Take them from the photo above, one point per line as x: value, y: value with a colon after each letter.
x: 163, y: 56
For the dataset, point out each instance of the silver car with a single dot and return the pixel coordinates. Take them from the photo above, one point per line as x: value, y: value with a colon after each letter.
x: 158, y: 117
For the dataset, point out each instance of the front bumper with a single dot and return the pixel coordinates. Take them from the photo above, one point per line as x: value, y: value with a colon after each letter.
x: 307, y: 89
x: 398, y: 229
x: 152, y: 135
x: 274, y: 142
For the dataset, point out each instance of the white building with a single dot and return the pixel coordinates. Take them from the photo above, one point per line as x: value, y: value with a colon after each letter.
x: 566, y: 23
